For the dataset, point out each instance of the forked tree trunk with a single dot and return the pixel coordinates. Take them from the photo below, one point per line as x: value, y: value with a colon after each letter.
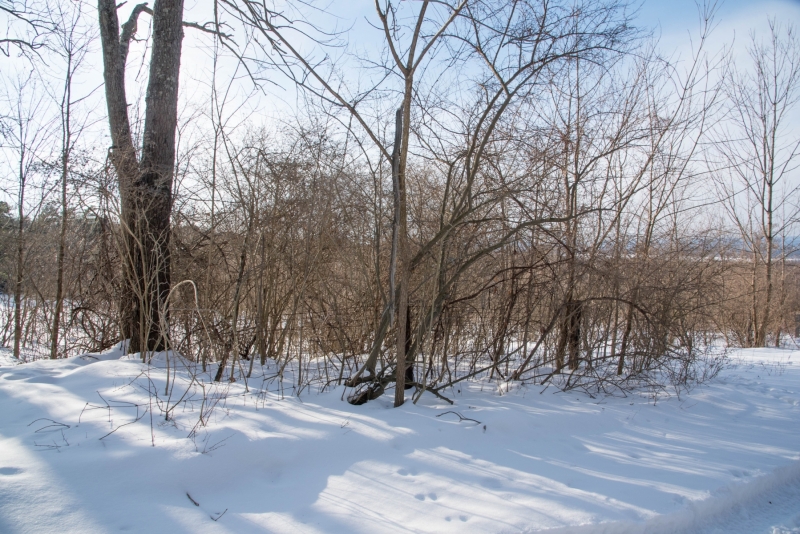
x: 145, y: 186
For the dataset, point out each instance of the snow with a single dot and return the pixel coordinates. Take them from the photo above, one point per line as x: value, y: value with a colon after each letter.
x: 79, y: 452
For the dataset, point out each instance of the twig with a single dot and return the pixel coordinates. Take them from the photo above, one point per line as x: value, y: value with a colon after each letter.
x: 460, y: 417
x: 220, y: 515
x: 193, y: 501
x: 50, y: 447
x: 55, y: 424
x: 217, y: 445
x: 126, y: 424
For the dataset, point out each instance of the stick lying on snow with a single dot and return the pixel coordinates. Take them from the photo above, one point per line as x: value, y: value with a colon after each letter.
x: 460, y: 417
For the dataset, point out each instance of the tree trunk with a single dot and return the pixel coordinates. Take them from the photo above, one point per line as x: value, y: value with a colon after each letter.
x: 20, y: 268
x: 770, y: 242
x: 62, y: 244
x: 398, y: 169
x: 752, y: 332
x: 575, y: 311
x: 146, y: 187
x: 121, y: 153
x: 628, y: 326
x: 66, y: 141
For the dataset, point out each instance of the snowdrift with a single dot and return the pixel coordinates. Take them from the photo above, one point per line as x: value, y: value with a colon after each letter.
x: 85, y: 447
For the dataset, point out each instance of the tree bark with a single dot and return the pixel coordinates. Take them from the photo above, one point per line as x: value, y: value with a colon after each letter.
x: 154, y: 188
x: 401, y: 222
x: 145, y: 186
x: 66, y: 141
x: 20, y: 264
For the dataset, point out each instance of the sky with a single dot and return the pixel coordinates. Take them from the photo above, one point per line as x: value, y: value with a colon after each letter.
x: 676, y: 24
x: 677, y: 17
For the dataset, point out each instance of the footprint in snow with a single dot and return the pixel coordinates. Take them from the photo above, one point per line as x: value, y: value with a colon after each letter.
x: 491, y: 483
x: 10, y: 471
x: 43, y: 380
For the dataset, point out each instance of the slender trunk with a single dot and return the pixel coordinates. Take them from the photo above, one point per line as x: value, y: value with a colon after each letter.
x: 574, y: 342
x: 770, y: 241
x: 625, y: 336
x: 66, y: 141
x: 237, y: 298
x: 752, y: 331
x: 398, y: 168
x: 782, y: 301
x: 217, y: 127
x: 261, y: 315
x: 398, y: 132
x: 20, y: 266
x: 234, y: 351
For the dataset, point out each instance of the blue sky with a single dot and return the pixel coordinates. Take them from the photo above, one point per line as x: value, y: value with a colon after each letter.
x: 676, y: 20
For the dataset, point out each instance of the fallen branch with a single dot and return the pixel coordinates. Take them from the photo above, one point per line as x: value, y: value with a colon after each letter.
x: 436, y: 392
x: 460, y: 417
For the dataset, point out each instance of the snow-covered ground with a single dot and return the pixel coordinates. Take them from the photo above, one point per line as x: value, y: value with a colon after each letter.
x: 724, y: 457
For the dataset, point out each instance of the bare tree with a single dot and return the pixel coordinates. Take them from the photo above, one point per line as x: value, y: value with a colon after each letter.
x: 25, y: 139
x: 759, y: 156
x: 72, y: 41
x: 512, y: 49
x: 146, y: 183
x: 28, y: 24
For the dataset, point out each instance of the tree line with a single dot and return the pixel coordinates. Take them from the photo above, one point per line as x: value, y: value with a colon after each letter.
x: 515, y: 190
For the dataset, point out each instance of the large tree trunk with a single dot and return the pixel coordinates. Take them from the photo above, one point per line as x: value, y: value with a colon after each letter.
x: 121, y: 152
x: 154, y: 188
x: 145, y: 186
